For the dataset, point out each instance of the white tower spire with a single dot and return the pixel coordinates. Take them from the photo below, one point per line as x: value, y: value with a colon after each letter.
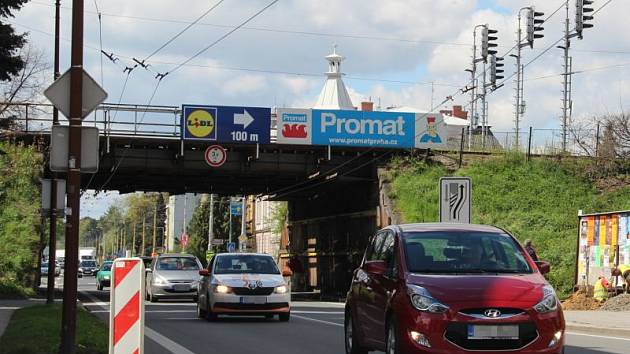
x: 334, y: 95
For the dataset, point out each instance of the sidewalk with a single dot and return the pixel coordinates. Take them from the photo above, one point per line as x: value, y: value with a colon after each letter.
x: 8, y: 306
x: 616, y: 324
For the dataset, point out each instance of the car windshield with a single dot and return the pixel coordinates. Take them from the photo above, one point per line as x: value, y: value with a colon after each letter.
x: 177, y: 263
x: 88, y: 264
x: 107, y: 267
x: 251, y: 264
x: 463, y: 252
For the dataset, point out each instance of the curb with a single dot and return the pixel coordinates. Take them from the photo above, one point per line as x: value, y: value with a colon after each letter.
x: 613, y: 332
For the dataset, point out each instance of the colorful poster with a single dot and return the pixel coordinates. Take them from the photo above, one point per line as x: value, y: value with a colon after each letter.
x: 614, y: 229
x: 598, y: 256
x: 627, y: 255
x: 609, y: 230
x: 596, y: 232
x: 602, y: 230
x: 591, y: 230
x: 623, y: 228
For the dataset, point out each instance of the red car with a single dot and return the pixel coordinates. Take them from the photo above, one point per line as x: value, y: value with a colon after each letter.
x: 451, y: 288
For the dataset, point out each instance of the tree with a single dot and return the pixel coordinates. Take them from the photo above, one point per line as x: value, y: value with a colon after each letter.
x: 10, y: 42
x: 198, y: 230
x: 24, y: 87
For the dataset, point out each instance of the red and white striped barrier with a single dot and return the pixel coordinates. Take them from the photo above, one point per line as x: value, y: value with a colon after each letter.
x: 126, y: 314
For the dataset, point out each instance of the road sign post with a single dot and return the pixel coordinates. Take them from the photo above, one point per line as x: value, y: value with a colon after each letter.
x: 126, y: 313
x: 455, y: 199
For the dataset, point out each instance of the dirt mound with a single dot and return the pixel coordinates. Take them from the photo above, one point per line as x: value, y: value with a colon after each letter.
x: 579, y: 301
x: 617, y: 303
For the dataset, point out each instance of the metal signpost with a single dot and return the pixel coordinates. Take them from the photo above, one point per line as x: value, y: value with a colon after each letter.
x: 455, y: 199
x: 246, y: 125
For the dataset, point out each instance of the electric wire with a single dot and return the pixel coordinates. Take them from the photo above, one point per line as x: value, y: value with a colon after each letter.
x: 217, y: 41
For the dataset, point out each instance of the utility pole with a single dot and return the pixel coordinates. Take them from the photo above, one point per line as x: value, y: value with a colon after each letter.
x: 154, y: 227
x: 519, y: 92
x: 52, y: 242
x: 69, y: 313
x: 211, y: 223
x: 473, y: 89
x: 144, y: 226
x: 484, y: 110
x: 243, y: 222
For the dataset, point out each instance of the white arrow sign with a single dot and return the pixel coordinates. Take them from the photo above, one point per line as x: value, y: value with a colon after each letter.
x: 244, y: 119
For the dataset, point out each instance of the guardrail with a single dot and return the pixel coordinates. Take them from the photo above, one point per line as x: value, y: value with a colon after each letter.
x: 132, y: 120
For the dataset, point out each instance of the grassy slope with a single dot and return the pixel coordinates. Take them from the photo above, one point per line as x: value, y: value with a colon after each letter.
x: 538, y: 200
x: 42, y: 323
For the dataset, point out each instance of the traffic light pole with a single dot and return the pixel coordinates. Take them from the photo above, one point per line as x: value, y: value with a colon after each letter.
x: 565, y: 83
x: 517, y: 111
x: 484, y: 110
x: 68, y: 319
x: 473, y: 96
x: 211, y: 223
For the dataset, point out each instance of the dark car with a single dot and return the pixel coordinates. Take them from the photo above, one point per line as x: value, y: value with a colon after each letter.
x: 88, y: 267
x: 447, y: 288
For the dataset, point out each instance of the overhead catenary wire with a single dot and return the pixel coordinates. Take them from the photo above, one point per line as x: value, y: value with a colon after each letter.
x: 217, y: 41
x: 183, y: 30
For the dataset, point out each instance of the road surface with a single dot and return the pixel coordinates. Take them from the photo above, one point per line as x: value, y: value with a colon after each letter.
x: 315, y: 327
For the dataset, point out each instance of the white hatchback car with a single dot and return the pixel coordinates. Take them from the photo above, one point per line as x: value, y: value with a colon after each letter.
x: 243, y: 284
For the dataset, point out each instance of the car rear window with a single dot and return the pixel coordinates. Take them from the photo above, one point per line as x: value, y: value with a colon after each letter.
x: 88, y: 264
x: 177, y: 263
x: 463, y: 252
x: 251, y: 264
x: 107, y: 267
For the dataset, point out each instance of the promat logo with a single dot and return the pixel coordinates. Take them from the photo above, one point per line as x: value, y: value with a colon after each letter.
x: 294, y: 131
x: 352, y: 126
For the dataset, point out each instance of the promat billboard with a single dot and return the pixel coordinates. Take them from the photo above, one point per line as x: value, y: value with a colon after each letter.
x: 361, y: 128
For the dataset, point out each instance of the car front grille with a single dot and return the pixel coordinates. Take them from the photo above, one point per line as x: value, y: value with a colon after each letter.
x: 457, y: 333
x: 256, y: 291
x: 235, y: 306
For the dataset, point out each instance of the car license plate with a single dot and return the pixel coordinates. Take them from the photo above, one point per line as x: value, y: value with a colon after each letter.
x: 493, y: 332
x: 181, y: 287
x: 258, y: 300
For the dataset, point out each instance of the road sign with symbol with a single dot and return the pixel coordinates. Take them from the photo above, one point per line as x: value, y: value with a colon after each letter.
x: 455, y: 199
x: 246, y: 125
x: 231, y: 247
x: 215, y: 155
x: 58, y: 93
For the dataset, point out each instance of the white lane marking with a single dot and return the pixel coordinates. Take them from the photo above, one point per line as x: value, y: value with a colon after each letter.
x: 168, y: 344
x: 318, y: 312
x: 597, y: 336
x: 10, y: 308
x: 165, y: 342
x: 96, y: 303
x: 317, y: 304
x: 320, y: 321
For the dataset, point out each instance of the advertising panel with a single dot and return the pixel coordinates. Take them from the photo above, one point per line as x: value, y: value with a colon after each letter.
x: 294, y: 126
x: 247, y: 125
x: 604, y: 242
x: 363, y: 128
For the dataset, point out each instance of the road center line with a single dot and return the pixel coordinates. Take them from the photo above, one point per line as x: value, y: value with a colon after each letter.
x: 320, y: 321
x: 597, y: 336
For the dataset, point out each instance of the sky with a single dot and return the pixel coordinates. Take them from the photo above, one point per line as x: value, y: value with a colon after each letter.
x: 398, y: 53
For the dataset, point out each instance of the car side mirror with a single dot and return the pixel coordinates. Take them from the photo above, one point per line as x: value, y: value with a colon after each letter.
x: 543, y: 267
x: 287, y: 273
x: 204, y: 273
x: 376, y: 267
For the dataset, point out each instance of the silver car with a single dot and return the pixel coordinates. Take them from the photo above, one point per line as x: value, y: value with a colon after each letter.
x: 173, y: 276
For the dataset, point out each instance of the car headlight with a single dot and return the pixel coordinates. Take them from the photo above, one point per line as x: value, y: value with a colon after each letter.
x: 282, y: 289
x: 549, y: 301
x: 422, y: 300
x: 222, y: 289
x: 158, y: 280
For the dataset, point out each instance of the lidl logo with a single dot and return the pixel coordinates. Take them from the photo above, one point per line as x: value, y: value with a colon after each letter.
x: 201, y: 123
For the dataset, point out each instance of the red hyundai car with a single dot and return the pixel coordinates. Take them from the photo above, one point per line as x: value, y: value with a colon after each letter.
x: 451, y: 288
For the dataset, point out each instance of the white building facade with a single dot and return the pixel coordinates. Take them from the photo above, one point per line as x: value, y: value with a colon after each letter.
x: 179, y: 212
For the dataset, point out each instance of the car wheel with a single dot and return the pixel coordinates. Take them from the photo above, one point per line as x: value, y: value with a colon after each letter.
x: 201, y: 313
x: 392, y: 337
x: 210, y: 316
x: 284, y: 316
x: 351, y: 340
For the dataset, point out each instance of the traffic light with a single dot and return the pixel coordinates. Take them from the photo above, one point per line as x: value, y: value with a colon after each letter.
x: 533, y: 22
x: 581, y: 17
x: 487, y: 42
x: 496, y: 71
